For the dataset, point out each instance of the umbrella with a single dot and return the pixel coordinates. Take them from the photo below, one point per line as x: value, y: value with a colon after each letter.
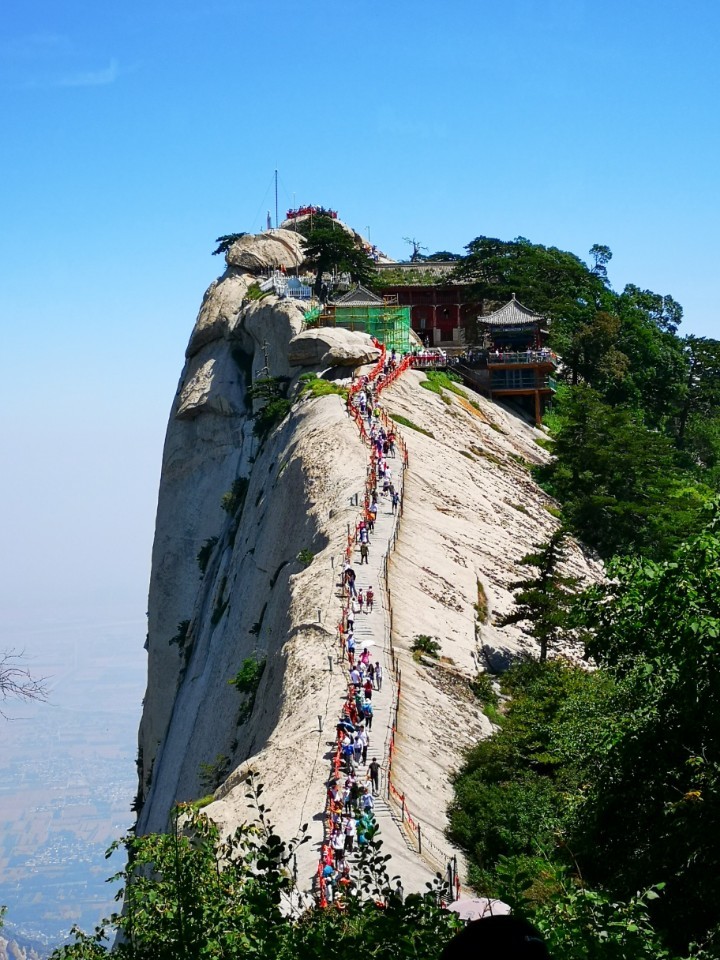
x: 475, y: 908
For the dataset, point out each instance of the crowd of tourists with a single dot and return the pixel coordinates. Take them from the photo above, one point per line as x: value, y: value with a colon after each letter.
x: 354, y: 783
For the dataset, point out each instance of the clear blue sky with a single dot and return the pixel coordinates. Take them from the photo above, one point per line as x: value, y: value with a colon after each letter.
x: 136, y: 133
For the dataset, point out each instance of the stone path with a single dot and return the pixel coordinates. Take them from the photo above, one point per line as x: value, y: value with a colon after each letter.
x: 375, y: 627
x: 372, y: 630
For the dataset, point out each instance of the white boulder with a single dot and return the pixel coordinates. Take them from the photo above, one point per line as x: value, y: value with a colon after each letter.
x: 331, y: 347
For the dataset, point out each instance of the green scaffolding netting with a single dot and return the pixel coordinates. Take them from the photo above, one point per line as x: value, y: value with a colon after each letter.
x: 389, y: 324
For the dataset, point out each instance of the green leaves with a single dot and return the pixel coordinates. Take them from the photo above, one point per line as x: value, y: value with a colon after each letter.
x: 619, y: 482
x: 191, y: 895
x: 545, y: 600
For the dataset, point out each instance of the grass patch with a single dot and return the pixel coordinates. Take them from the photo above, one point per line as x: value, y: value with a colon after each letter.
x: 498, y: 429
x: 423, y: 644
x: 520, y: 461
x: 317, y: 387
x: 481, y: 607
x: 202, y: 802
x: 305, y: 557
x: 466, y: 453
x: 472, y: 407
x: 546, y: 444
x: 553, y: 511
x: 247, y: 679
x: 436, y: 381
x: 254, y: 292
x: 520, y: 508
x: 404, y: 422
x: 447, y: 380
x: 493, y: 714
x: 486, y: 455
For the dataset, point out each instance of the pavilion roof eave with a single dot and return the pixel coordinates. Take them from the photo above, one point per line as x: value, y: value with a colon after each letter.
x: 512, y: 314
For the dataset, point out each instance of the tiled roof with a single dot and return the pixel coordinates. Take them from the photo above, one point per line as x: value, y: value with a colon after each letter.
x: 513, y: 314
x: 360, y: 296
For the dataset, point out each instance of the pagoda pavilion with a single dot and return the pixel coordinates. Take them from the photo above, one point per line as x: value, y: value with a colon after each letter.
x: 517, y: 361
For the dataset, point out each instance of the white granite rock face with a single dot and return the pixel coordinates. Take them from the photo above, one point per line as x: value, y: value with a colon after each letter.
x: 331, y: 347
x: 266, y: 251
x: 471, y: 511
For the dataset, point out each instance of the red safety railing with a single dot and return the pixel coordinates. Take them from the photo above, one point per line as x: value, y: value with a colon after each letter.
x: 382, y: 380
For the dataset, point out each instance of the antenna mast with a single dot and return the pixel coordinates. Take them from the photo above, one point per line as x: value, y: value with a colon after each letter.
x: 276, y: 201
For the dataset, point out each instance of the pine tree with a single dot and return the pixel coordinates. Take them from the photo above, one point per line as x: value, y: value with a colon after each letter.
x: 544, y: 600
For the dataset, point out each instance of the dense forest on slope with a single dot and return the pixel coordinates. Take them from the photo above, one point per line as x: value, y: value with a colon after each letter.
x: 594, y: 807
x: 637, y: 424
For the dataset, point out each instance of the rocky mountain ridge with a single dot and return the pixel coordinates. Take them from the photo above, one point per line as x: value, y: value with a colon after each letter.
x: 471, y: 511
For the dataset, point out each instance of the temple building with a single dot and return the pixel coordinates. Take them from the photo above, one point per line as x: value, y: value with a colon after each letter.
x: 439, y: 309
x: 512, y: 360
x: 361, y: 309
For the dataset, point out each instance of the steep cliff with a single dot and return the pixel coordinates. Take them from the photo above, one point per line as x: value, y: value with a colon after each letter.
x: 271, y: 520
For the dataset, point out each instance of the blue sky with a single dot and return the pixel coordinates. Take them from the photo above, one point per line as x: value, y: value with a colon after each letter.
x: 135, y: 133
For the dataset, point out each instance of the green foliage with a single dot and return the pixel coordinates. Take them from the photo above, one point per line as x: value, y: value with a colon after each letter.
x: 544, y: 600
x: 483, y: 689
x: 482, y: 608
x: 317, y: 387
x: 189, y: 894
x: 580, y: 923
x: 618, y: 481
x: 226, y: 241
x: 233, y: 501
x: 212, y: 774
x: 487, y: 455
x: 517, y: 791
x: 271, y: 414
x: 271, y: 392
x: 423, y: 644
x: 657, y: 633
x: 330, y: 247
x: 305, y: 557
x: 247, y: 681
x: 553, y: 282
x: 254, y: 292
x: 420, y: 276
x: 205, y: 551
x: 404, y: 422
x: 620, y: 765
x: 437, y: 380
